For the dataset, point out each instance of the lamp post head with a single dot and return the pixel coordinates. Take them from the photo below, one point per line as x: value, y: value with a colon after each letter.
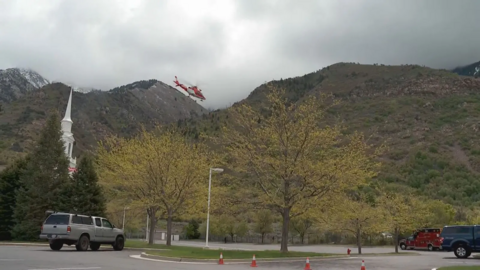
x: 217, y: 169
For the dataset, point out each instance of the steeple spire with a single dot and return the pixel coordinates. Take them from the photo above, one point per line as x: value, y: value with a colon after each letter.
x: 68, y: 111
x: 67, y: 135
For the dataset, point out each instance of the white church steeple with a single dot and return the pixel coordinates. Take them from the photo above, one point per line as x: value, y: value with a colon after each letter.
x: 67, y: 136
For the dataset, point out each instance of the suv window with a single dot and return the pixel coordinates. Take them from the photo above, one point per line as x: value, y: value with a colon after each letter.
x: 87, y: 220
x: 106, y: 223
x: 456, y: 230
x: 58, y: 219
x: 82, y: 220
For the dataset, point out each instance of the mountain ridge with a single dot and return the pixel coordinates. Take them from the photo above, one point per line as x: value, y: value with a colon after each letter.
x: 95, y: 114
x: 428, y: 117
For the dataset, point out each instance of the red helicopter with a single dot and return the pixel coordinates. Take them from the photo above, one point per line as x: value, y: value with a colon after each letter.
x: 192, y: 90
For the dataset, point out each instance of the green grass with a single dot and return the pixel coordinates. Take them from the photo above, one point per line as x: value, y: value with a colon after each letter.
x: 200, y: 253
x: 143, y: 244
x: 459, y: 268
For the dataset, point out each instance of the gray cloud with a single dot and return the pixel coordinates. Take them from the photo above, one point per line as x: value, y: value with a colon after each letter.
x: 229, y: 46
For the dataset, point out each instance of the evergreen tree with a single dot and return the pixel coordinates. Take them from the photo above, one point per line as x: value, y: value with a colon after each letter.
x: 9, y: 184
x: 86, y: 194
x: 43, y: 184
x: 191, y: 230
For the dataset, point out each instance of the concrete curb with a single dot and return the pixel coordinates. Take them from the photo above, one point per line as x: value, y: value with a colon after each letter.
x: 289, y: 259
x: 233, y: 261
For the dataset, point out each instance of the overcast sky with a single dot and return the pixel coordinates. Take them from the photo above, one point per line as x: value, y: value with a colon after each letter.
x: 229, y: 47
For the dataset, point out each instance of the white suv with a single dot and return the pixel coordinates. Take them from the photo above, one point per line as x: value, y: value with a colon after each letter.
x: 80, y: 230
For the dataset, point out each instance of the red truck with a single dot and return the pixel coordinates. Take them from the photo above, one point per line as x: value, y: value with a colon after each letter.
x: 426, y: 238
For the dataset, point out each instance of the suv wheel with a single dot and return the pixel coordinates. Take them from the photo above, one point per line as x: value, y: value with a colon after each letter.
x: 83, y: 243
x: 56, y: 245
x: 403, y: 246
x: 462, y: 251
x: 119, y: 243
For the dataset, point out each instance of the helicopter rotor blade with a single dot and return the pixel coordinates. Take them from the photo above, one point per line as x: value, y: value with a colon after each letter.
x: 185, y: 82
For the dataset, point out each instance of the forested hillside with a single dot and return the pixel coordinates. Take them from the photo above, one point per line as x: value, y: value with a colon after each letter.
x: 428, y: 118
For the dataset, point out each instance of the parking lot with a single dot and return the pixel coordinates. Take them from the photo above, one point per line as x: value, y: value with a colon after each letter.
x: 42, y: 258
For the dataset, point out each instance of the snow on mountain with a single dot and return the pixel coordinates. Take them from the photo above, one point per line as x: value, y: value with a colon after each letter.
x: 84, y: 89
x: 33, y: 77
x: 78, y: 88
x: 16, y: 82
x: 477, y: 71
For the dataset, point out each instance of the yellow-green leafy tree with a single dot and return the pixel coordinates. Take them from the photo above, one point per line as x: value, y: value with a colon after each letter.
x: 302, y: 225
x: 118, y: 212
x: 288, y: 159
x: 402, y: 212
x: 356, y: 215
x: 160, y: 170
x: 234, y: 226
x: 472, y: 217
x: 439, y: 214
x: 263, y: 222
x: 226, y: 225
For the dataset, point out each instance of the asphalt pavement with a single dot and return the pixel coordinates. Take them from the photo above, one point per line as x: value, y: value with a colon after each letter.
x: 42, y: 258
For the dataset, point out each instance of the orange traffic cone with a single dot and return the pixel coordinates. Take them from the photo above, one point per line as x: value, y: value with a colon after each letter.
x: 220, y: 261
x: 363, y: 266
x: 254, y: 262
x: 307, y: 265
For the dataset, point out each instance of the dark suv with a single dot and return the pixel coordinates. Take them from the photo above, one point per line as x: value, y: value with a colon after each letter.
x: 463, y: 240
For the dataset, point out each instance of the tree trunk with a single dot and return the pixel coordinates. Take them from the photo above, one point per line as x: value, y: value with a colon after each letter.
x: 396, y: 240
x: 153, y: 223
x: 263, y: 236
x: 231, y: 235
x: 286, y: 223
x: 359, y: 240
x: 302, y: 236
x: 169, y: 229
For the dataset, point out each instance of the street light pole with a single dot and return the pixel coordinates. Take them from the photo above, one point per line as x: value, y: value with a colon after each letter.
x: 208, y: 207
x: 146, y: 230
x: 123, y: 224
